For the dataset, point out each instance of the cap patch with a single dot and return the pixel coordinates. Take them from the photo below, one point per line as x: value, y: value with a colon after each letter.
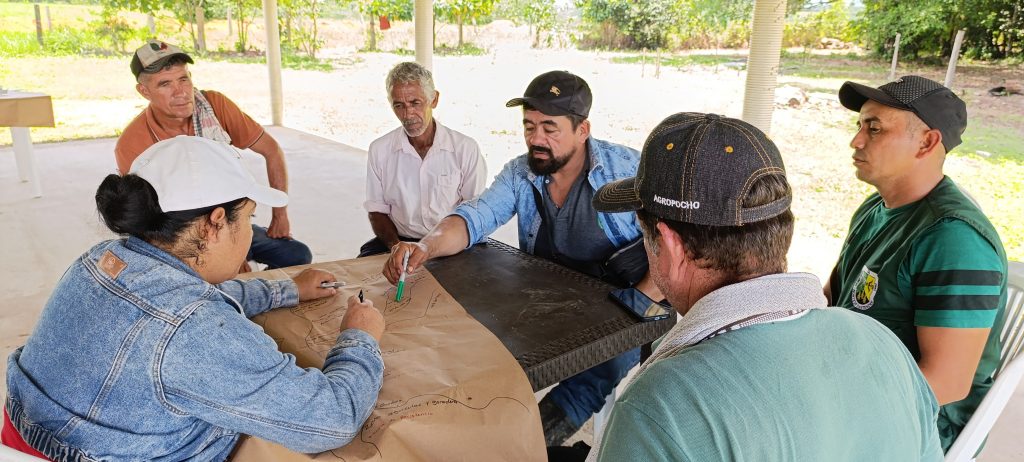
x: 112, y: 265
x: 555, y: 90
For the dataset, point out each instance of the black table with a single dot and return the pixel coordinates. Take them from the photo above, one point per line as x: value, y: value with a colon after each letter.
x: 556, y: 322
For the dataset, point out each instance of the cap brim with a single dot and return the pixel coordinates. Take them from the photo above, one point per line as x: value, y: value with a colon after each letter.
x: 618, y: 196
x: 853, y: 95
x: 539, y: 105
x: 267, y: 196
x: 159, y: 64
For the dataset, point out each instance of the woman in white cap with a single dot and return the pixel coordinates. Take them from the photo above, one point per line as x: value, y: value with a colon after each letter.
x: 145, y: 350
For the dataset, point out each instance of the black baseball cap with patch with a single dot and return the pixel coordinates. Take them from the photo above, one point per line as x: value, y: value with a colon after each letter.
x: 152, y: 56
x: 937, y: 106
x: 557, y: 93
x: 700, y: 168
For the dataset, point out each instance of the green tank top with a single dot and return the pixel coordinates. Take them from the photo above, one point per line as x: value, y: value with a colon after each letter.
x: 937, y: 262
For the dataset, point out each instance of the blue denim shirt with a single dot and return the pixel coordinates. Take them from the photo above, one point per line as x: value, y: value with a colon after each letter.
x: 511, y: 194
x: 137, y: 358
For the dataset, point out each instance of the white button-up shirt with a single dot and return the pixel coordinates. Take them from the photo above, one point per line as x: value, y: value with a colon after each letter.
x: 418, y: 192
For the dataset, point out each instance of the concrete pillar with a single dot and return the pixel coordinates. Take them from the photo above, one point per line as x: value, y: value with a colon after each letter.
x: 274, y: 61
x: 424, y: 24
x: 763, y: 63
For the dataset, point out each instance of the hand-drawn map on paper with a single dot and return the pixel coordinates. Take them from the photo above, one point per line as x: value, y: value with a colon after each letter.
x: 451, y: 389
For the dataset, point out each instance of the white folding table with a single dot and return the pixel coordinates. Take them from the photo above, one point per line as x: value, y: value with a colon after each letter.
x: 20, y: 110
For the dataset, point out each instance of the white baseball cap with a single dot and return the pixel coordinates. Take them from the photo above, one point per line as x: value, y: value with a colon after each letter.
x: 190, y: 172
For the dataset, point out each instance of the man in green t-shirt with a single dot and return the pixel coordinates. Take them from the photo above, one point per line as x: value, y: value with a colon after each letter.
x: 920, y: 256
x: 757, y: 368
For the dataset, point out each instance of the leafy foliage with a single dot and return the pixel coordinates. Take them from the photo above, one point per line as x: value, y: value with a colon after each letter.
x: 374, y: 9
x: 462, y: 11
x: 540, y: 15
x: 994, y: 28
x: 642, y: 24
x: 806, y: 29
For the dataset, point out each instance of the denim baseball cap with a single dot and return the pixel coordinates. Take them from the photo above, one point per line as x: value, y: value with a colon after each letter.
x: 152, y: 56
x: 937, y: 106
x: 699, y: 168
x: 557, y: 93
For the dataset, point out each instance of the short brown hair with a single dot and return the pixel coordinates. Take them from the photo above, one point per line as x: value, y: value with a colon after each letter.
x: 739, y: 252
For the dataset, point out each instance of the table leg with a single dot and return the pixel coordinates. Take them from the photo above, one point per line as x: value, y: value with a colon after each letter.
x: 25, y: 158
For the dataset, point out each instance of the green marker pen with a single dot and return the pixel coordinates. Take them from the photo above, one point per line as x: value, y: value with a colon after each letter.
x: 401, y: 279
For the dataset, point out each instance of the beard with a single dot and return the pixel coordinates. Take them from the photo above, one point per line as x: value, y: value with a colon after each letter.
x: 546, y: 166
x: 414, y: 127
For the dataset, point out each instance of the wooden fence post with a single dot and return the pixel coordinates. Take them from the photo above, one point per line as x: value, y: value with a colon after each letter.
x: 201, y: 25
x: 895, y: 57
x: 951, y: 70
x: 39, y: 26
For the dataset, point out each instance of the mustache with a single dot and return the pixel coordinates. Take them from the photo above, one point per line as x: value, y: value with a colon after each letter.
x: 536, y: 148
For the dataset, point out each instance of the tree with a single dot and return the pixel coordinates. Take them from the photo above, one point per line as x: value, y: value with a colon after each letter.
x: 184, y: 10
x: 706, y: 20
x: 374, y: 9
x: 245, y: 12
x: 460, y: 11
x: 307, y: 36
x: 646, y: 24
x: 540, y: 15
x: 994, y: 28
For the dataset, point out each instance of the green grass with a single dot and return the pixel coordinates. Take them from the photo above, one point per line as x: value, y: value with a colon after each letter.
x: 288, y: 60
x: 61, y: 41
x: 467, y: 49
x: 20, y: 17
x: 1002, y: 144
x: 679, y: 61
x: 847, y: 67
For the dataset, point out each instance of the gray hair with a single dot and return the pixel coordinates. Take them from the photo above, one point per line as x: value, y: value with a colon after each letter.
x: 409, y: 72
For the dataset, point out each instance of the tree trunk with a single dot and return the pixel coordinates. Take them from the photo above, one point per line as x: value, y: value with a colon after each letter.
x: 460, y: 30
x: 536, y: 37
x: 371, y: 37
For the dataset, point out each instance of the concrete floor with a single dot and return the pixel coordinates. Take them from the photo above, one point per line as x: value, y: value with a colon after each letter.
x: 42, y: 236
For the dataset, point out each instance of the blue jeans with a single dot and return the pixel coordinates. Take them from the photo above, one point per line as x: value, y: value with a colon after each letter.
x: 583, y: 394
x: 277, y: 253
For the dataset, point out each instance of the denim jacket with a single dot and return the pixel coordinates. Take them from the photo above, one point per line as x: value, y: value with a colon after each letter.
x: 511, y: 194
x: 137, y: 358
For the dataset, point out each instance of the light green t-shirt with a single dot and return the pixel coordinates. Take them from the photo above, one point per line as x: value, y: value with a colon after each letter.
x: 829, y: 386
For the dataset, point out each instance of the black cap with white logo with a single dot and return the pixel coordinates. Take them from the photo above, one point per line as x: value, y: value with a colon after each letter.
x: 557, y: 93
x: 937, y: 106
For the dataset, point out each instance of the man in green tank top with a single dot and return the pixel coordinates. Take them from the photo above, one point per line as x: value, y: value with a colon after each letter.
x: 921, y: 257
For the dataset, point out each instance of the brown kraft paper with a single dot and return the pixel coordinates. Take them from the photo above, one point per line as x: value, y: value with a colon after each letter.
x: 451, y: 390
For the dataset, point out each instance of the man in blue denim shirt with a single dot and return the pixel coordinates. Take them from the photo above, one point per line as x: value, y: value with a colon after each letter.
x: 550, y: 189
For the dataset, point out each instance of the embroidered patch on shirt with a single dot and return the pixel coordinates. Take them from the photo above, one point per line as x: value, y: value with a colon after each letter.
x: 864, y: 290
x: 112, y: 265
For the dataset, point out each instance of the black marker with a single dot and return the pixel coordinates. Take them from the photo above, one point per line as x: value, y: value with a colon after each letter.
x: 360, y: 295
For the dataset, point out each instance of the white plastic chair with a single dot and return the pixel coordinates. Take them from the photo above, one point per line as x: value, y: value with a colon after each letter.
x: 1007, y: 375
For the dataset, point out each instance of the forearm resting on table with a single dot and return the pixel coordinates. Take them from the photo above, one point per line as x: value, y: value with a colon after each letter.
x: 449, y: 237
x: 949, y: 358
x: 384, y: 228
